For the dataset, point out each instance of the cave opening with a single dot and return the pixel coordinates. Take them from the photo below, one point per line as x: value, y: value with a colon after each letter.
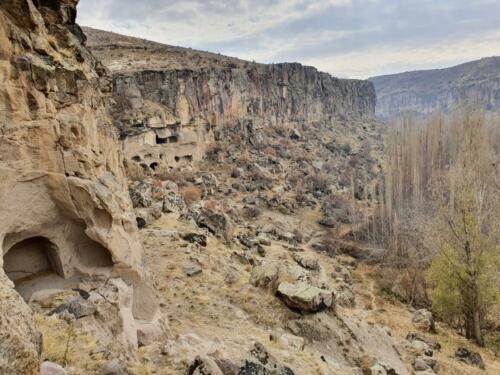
x: 164, y: 140
x: 185, y: 158
x: 32, y: 257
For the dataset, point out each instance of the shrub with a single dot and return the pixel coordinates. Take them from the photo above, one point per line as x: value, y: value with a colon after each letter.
x: 191, y: 194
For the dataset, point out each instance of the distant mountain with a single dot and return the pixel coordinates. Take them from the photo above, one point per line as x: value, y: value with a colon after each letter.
x: 425, y: 91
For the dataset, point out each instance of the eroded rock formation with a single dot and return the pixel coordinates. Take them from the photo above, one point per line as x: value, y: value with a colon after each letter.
x: 166, y: 112
x: 63, y: 198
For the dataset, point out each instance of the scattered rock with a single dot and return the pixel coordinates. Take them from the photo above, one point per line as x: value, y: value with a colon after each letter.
x: 430, y: 341
x: 305, y: 297
x: 236, y: 172
x: 306, y: 262
x: 419, y: 364
x: 382, y: 369
x: 259, y: 362
x: 425, y: 363
x: 470, y: 357
x: 204, y: 366
x: 173, y: 202
x: 418, y: 347
x: 216, y: 223
x: 345, y: 297
x: 423, y: 320
x: 78, y: 307
x: 114, y: 367
x: 192, y: 269
x: 141, y: 223
x: 197, y: 238
x: 292, y: 342
x: 264, y: 275
x: 327, y: 221
x: 295, y: 135
x: 50, y: 368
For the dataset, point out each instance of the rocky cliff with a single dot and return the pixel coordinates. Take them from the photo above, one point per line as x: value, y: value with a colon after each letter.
x: 65, y: 209
x: 423, y: 92
x: 168, y: 95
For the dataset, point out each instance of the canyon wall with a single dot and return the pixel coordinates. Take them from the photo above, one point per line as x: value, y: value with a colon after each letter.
x: 424, y: 92
x: 63, y: 198
x: 166, y: 107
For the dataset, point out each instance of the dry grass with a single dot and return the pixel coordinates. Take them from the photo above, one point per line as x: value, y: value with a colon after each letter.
x: 66, y: 345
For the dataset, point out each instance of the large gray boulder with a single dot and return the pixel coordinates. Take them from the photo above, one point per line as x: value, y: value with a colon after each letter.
x: 304, y: 297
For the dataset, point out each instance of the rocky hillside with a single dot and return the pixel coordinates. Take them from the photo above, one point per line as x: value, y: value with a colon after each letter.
x: 168, y: 95
x: 423, y: 92
x: 240, y: 247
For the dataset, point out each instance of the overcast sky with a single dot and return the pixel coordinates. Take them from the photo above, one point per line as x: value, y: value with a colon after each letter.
x: 347, y: 38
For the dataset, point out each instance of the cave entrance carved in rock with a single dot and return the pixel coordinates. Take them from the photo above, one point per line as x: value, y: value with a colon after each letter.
x: 30, y: 258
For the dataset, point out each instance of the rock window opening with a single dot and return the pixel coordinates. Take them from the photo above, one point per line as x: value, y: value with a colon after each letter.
x: 153, y: 166
x: 187, y: 158
x: 171, y: 139
x: 30, y: 258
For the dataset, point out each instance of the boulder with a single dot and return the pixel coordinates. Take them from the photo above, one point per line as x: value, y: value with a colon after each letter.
x: 260, y: 362
x: 78, y: 307
x: 217, y: 223
x: 295, y: 135
x: 304, y: 297
x: 423, y: 320
x: 173, y: 202
x: 327, y: 221
x: 377, y: 369
x: 292, y: 342
x: 204, y: 366
x: 380, y: 368
x: 345, y: 297
x: 470, y: 357
x: 114, y: 367
x: 197, y: 238
x: 430, y: 341
x: 50, y: 368
x: 264, y: 275
x: 306, y: 262
x: 419, y: 364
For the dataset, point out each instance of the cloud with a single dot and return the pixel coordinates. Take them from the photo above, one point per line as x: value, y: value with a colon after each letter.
x: 357, y: 38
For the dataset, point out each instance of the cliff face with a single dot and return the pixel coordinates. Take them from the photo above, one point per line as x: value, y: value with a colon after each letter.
x: 65, y: 209
x: 161, y: 103
x: 423, y: 92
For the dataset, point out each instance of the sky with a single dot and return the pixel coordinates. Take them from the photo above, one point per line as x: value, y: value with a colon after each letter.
x: 347, y: 38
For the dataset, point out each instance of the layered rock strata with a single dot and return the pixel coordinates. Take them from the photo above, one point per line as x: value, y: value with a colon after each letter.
x: 166, y: 110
